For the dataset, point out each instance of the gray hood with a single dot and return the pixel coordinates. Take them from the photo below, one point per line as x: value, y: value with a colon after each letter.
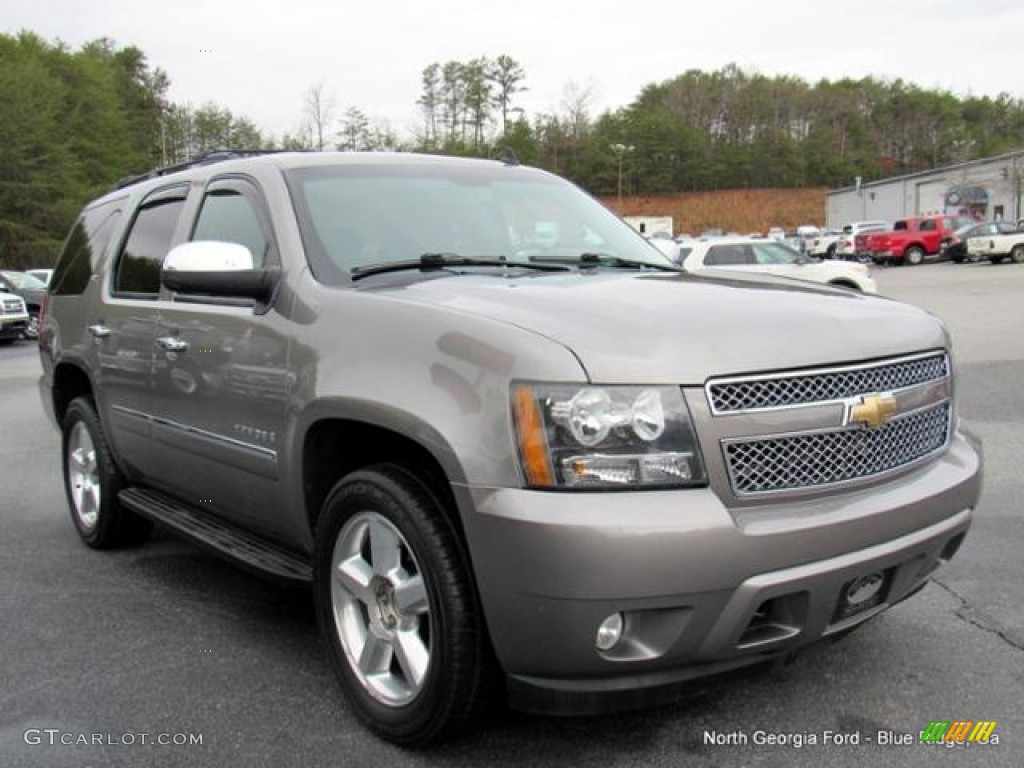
x: 682, y: 329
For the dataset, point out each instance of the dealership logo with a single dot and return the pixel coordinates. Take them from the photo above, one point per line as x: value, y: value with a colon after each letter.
x: 959, y: 731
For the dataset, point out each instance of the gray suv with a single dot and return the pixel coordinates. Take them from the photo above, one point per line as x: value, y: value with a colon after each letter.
x: 517, y: 454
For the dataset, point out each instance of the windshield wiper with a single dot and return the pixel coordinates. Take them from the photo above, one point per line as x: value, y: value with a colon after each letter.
x: 605, y: 260
x: 430, y: 261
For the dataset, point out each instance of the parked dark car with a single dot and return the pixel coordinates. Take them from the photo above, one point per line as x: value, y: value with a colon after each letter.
x: 32, y: 290
x: 956, y: 248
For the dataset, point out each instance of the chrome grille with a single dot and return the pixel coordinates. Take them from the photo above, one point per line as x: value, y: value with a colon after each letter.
x: 13, y: 307
x: 825, y: 458
x: 755, y: 393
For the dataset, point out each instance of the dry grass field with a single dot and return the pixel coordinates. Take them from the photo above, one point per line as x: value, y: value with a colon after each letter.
x: 734, y: 210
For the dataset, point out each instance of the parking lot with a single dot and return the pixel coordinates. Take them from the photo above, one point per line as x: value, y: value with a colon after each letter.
x: 164, y: 655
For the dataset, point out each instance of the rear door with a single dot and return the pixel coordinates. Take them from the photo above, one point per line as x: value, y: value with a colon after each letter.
x: 123, y: 325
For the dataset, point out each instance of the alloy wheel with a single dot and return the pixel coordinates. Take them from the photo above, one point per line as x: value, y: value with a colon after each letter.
x: 83, y: 475
x: 381, y: 608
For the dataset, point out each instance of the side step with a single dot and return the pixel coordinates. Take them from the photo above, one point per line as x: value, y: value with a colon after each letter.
x: 223, y: 538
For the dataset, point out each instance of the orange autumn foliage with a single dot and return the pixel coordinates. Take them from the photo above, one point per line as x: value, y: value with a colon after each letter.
x: 732, y: 210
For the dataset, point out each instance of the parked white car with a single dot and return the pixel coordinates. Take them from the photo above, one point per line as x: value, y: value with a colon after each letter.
x: 845, y: 247
x: 42, y: 275
x: 665, y: 243
x: 997, y: 247
x: 748, y: 254
x: 823, y: 245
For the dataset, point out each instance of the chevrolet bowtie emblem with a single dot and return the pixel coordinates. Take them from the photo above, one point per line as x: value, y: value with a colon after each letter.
x: 872, y: 410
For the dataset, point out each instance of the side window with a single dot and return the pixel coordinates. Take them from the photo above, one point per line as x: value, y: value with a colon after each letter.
x: 231, y: 214
x: 928, y: 225
x: 772, y: 254
x: 726, y: 255
x: 85, y: 245
x: 149, y: 240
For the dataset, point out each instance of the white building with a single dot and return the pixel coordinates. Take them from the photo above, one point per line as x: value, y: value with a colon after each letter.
x: 988, y: 189
x: 651, y: 225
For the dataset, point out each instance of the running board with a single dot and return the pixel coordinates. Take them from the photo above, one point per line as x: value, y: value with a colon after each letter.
x: 246, y: 549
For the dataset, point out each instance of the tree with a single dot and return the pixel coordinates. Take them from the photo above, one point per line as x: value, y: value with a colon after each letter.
x: 191, y: 132
x: 319, y: 111
x: 453, y: 103
x: 431, y: 101
x: 36, y: 171
x: 478, y: 99
x: 354, y: 135
x: 459, y: 99
x: 506, y: 74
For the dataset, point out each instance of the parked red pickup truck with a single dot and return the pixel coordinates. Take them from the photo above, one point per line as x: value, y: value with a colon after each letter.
x: 911, y: 240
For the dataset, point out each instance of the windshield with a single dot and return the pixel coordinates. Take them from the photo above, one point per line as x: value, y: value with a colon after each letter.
x: 358, y: 216
x: 23, y: 281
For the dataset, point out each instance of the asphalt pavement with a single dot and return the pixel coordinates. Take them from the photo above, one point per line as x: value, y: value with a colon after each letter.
x: 163, y: 655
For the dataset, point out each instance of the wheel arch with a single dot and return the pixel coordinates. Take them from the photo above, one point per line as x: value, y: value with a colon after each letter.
x: 334, y: 446
x: 69, y: 381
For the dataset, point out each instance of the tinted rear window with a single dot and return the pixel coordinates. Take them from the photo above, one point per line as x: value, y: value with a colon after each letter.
x: 149, y: 240
x: 83, y: 249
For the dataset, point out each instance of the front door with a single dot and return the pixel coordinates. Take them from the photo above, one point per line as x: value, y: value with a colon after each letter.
x: 221, y: 382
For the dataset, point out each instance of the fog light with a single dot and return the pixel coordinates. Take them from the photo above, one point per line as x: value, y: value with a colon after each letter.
x: 609, y: 633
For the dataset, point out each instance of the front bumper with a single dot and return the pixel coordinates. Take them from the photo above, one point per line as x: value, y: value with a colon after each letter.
x: 12, y: 327
x: 703, y: 588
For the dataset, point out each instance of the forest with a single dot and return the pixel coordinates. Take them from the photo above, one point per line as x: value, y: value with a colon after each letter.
x: 73, y: 122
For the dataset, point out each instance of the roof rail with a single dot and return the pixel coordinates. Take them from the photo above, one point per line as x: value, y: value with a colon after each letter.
x: 208, y: 158
x: 505, y: 154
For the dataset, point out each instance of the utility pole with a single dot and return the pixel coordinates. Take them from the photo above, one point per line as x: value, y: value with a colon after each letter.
x: 620, y: 150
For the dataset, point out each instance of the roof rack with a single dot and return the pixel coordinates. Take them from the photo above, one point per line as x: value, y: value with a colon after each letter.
x: 213, y: 156
x: 505, y: 154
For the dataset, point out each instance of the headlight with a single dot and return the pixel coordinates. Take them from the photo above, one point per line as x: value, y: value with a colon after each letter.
x: 572, y: 436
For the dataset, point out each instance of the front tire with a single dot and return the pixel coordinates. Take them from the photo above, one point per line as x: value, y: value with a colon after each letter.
x: 92, y: 482
x: 1017, y: 254
x: 913, y: 256
x: 398, y: 610
x: 31, y: 332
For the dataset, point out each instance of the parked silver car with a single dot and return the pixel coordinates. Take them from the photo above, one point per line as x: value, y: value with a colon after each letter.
x: 514, y: 450
x: 13, y: 317
x: 29, y: 288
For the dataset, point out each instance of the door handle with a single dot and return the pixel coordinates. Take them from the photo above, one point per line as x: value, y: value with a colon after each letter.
x: 172, y: 343
x: 99, y: 331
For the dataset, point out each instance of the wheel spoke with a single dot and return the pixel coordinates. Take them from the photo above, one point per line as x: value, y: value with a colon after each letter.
x: 413, y: 656
x: 354, y: 576
x: 411, y: 596
x: 91, y: 501
x: 78, y: 458
x: 375, y: 657
x: 385, y: 548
